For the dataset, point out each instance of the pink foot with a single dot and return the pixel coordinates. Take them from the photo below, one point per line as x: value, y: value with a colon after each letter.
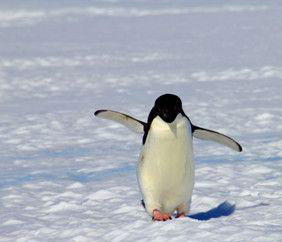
x: 180, y: 215
x: 158, y: 216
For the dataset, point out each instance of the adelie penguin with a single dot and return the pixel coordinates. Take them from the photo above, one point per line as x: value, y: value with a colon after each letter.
x: 166, y: 166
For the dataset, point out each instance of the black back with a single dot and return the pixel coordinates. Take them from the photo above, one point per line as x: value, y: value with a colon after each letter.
x: 167, y: 107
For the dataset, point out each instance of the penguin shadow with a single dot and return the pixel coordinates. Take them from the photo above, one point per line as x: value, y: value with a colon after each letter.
x: 222, y: 210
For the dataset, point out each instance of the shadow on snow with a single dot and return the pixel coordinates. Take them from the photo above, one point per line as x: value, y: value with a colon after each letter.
x: 223, y: 209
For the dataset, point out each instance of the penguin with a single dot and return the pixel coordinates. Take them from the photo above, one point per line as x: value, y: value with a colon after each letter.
x: 166, y: 168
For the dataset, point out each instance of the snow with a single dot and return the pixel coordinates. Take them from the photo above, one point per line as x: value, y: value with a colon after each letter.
x: 68, y: 176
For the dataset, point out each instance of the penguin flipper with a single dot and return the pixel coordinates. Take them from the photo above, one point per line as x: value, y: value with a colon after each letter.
x: 133, y: 124
x: 207, y: 134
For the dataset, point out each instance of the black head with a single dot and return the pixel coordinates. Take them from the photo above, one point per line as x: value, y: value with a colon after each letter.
x: 168, y: 106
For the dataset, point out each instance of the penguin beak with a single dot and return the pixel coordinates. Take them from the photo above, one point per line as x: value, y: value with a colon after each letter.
x: 168, y: 117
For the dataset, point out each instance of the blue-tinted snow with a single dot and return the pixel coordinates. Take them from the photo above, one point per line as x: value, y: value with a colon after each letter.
x: 66, y: 176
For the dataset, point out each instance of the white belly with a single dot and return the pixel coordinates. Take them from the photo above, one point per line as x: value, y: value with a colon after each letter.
x: 166, y: 166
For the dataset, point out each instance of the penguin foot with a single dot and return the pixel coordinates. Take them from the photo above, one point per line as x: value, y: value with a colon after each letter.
x: 158, y: 216
x: 180, y: 215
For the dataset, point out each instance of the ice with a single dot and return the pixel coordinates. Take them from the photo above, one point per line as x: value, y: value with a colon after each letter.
x: 102, y: 195
x: 68, y: 176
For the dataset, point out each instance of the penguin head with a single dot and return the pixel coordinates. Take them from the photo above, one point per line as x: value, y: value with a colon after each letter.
x: 168, y: 106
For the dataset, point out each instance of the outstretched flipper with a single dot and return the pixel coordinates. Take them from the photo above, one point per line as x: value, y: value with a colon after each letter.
x: 207, y: 134
x: 132, y: 123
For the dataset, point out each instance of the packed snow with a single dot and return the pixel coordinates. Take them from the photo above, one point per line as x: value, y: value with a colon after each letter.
x: 68, y: 176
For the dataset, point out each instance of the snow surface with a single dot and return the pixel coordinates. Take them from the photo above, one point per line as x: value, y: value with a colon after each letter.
x: 67, y: 176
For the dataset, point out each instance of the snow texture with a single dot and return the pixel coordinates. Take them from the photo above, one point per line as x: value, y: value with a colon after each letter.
x: 68, y: 176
